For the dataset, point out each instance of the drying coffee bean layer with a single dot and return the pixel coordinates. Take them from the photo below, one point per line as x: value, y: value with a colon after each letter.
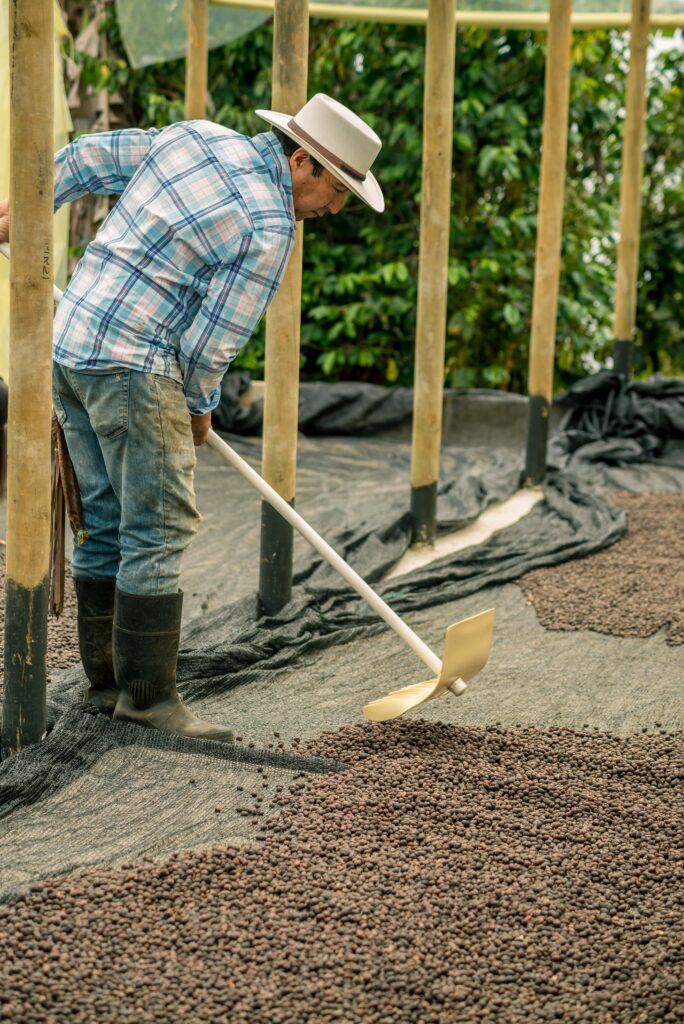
x: 62, y: 643
x: 634, y: 588
x: 448, y: 874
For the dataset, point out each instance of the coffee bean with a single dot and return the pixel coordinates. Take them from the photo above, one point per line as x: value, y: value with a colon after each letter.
x: 632, y: 588
x: 447, y: 873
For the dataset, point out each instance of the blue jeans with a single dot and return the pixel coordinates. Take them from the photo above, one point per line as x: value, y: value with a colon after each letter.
x: 129, y: 438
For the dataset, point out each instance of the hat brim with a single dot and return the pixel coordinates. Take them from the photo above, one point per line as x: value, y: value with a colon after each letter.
x: 368, y: 190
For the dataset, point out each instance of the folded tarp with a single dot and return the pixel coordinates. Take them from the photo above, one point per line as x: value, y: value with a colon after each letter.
x: 616, y: 421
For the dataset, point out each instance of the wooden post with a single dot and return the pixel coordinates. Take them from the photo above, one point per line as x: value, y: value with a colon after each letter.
x: 549, y: 235
x: 630, y: 191
x: 30, y: 365
x: 435, y: 213
x: 197, y: 23
x: 281, y: 376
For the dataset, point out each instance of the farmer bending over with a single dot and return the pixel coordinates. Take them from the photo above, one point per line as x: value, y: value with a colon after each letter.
x: 174, y: 284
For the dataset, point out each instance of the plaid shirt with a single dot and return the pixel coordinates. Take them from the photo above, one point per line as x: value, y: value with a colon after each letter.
x: 183, y: 268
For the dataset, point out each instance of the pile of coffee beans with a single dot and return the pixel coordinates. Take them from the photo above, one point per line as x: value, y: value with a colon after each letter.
x: 446, y: 875
x: 633, y: 588
x: 62, y: 631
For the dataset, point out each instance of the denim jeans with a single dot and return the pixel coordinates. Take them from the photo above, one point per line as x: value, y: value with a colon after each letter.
x: 129, y: 438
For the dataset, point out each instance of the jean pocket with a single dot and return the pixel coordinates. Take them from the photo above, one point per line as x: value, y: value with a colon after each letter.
x: 60, y: 411
x: 105, y: 397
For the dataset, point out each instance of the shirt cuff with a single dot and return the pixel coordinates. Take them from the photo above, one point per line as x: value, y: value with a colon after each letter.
x: 200, y: 404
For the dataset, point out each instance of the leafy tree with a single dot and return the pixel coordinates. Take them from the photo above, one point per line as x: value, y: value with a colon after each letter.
x: 359, y: 288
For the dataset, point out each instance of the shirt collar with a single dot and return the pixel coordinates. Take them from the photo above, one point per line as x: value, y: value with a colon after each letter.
x: 277, y: 163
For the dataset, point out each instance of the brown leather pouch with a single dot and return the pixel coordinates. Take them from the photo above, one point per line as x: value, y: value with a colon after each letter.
x: 66, y: 503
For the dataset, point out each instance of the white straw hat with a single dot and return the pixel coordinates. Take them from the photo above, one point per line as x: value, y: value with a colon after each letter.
x: 338, y: 139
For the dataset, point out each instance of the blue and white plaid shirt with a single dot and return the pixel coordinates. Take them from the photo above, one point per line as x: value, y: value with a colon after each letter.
x: 183, y: 268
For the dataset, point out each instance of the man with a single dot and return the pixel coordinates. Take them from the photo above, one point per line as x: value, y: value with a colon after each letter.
x: 174, y: 284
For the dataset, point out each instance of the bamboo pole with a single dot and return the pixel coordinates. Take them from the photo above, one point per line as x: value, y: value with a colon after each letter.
x: 435, y: 215
x: 549, y: 234
x: 30, y: 365
x: 630, y: 191
x: 517, y: 20
x: 197, y: 24
x: 281, y: 376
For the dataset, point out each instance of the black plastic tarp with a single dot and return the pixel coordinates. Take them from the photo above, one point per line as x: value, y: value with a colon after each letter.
x: 616, y: 421
x: 350, y: 409
x: 606, y: 417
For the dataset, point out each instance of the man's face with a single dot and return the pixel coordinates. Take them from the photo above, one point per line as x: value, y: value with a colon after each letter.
x: 314, y: 196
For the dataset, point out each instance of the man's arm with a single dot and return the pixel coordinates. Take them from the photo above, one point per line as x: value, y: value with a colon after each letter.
x: 236, y: 300
x: 103, y: 163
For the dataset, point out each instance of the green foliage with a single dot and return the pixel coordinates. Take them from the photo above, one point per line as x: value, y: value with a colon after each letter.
x: 360, y: 270
x: 661, y: 278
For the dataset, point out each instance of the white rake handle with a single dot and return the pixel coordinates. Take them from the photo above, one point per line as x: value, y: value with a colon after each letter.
x: 330, y: 555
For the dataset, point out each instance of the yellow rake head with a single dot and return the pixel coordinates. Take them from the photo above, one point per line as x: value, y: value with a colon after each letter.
x: 466, y: 651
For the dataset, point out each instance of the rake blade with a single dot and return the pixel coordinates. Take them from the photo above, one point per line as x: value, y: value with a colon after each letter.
x: 466, y: 651
x: 399, y: 701
x: 466, y: 647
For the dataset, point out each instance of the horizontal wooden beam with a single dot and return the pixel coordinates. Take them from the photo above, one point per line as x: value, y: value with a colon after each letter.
x: 538, y: 21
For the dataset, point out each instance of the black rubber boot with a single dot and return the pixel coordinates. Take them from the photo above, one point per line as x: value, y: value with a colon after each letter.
x: 95, y: 616
x: 146, y: 638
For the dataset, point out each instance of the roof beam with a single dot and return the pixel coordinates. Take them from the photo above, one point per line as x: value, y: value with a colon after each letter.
x: 537, y: 21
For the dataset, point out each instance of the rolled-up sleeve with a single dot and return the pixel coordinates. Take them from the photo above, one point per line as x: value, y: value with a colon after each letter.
x: 237, y: 298
x: 102, y: 163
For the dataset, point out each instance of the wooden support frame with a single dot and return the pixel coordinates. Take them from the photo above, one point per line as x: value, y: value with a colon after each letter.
x: 537, y: 21
x: 197, y: 59
x: 549, y: 236
x: 30, y: 399
x: 630, y: 191
x: 281, y: 376
x: 559, y: 22
x: 435, y: 216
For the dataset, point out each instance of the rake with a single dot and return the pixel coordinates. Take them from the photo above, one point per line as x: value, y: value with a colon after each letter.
x: 466, y: 644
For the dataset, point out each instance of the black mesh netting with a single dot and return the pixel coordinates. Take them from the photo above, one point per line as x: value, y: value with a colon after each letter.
x: 233, y: 646
x: 100, y: 792
x: 362, y: 493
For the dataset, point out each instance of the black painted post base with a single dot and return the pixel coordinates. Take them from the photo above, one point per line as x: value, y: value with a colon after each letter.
x: 24, y: 704
x: 622, y: 357
x: 424, y: 513
x: 275, y: 568
x: 537, y: 436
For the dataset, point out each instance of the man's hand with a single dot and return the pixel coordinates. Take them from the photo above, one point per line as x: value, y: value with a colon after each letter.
x: 201, y: 425
x: 4, y: 220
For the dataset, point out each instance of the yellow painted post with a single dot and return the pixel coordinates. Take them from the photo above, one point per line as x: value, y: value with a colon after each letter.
x: 31, y: 137
x: 197, y: 23
x: 435, y: 211
x: 630, y: 191
x: 281, y: 376
x: 549, y: 235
